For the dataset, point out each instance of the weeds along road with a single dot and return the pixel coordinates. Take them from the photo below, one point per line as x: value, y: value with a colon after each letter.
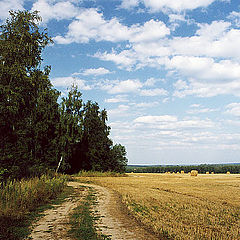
x: 113, y: 220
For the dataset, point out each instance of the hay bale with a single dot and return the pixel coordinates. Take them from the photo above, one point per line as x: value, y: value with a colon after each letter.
x: 194, y: 173
x: 177, y: 172
x: 212, y: 172
x: 228, y: 172
x: 207, y: 172
x: 182, y: 172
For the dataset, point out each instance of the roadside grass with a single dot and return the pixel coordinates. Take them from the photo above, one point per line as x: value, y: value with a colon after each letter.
x: 83, y: 220
x: 21, y: 202
x: 84, y: 173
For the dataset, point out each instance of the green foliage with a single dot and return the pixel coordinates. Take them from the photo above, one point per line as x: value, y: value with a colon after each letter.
x: 119, y: 160
x: 35, y: 132
x: 28, y: 104
x: 203, y: 168
x: 85, y: 138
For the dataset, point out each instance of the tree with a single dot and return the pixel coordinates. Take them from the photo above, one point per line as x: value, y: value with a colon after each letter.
x: 34, y: 130
x: 24, y: 91
x: 70, y: 128
x: 118, y: 158
x: 96, y: 142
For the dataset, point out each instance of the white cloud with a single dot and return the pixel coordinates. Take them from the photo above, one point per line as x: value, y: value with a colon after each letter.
x: 146, y: 104
x: 150, y: 82
x: 128, y: 4
x: 233, y: 109
x: 154, y: 92
x: 172, y: 122
x: 95, y: 71
x: 205, y: 69
x: 7, y: 5
x: 117, y: 99
x: 215, y: 30
x: 205, y: 89
x: 235, y: 17
x: 150, y: 31
x: 68, y: 81
x: 176, y: 18
x: 156, y: 119
x: 217, y: 39
x: 173, y: 5
x: 121, y: 110
x: 90, y: 24
x: 126, y: 86
x: 125, y: 59
x: 55, y: 10
x: 201, y: 110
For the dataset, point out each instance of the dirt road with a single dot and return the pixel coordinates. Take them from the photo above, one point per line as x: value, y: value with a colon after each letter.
x: 114, y: 220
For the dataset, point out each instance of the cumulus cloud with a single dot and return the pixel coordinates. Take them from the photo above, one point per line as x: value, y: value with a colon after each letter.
x: 121, y: 110
x: 95, y: 71
x: 68, y: 81
x: 235, y: 17
x: 156, y: 119
x: 205, y: 89
x: 154, y: 92
x: 117, y: 99
x: 55, y: 10
x: 7, y: 5
x: 146, y: 104
x: 172, y: 122
x: 205, y: 69
x: 126, y: 86
x: 168, y: 5
x: 128, y: 4
x: 90, y: 24
x: 197, y: 108
x: 233, y: 109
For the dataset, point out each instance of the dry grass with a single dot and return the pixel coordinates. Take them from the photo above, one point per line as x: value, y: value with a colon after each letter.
x: 180, y: 206
x: 19, y: 197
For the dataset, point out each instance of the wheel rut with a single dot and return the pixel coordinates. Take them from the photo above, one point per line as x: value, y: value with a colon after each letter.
x: 112, y: 221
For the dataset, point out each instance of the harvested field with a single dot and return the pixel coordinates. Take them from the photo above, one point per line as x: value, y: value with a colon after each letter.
x: 182, y: 206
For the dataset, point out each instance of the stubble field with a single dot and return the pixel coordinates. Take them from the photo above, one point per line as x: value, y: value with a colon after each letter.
x: 180, y: 206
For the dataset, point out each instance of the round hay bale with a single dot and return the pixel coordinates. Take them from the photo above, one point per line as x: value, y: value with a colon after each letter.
x: 212, y: 172
x: 194, y: 173
x: 207, y: 172
x: 182, y: 172
x: 228, y: 172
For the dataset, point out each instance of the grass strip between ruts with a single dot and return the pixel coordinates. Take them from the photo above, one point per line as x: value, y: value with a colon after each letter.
x: 83, y: 220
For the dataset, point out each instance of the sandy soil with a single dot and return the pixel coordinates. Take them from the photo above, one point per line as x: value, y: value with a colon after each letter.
x: 114, y: 220
x: 55, y: 222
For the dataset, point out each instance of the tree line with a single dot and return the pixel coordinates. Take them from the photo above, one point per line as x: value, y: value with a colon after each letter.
x: 36, y: 131
x: 203, y: 168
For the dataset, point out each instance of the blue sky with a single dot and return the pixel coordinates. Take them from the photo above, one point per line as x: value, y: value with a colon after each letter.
x: 167, y: 71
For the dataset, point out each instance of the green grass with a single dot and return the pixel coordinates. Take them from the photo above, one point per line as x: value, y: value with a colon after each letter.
x: 21, y: 202
x: 83, y: 220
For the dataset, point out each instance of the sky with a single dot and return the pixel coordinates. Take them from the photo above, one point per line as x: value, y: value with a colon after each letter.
x: 166, y: 71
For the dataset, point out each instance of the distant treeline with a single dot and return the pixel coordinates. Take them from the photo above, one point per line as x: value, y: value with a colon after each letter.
x: 216, y: 168
x: 36, y: 129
